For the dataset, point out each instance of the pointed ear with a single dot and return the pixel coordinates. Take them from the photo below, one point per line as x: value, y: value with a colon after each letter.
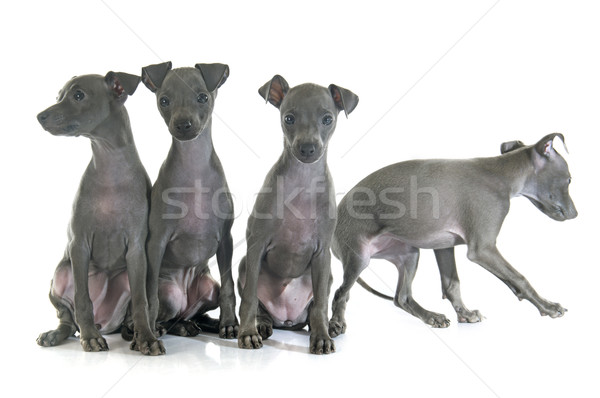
x: 545, y: 147
x: 510, y: 146
x: 214, y: 75
x: 121, y: 83
x: 274, y: 90
x: 344, y: 99
x: 153, y: 75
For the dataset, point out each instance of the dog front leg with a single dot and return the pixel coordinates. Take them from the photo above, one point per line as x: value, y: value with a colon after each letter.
x: 490, y: 258
x: 155, y: 249
x: 320, y: 341
x: 143, y: 337
x: 248, y: 336
x: 228, y: 323
x: 90, y: 337
x: 451, y: 285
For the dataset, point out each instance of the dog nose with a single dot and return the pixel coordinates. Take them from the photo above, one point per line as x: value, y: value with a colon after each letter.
x: 42, y: 116
x: 307, y: 149
x: 184, y: 126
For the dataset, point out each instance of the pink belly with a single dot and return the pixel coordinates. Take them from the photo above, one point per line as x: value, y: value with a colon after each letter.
x: 286, y: 301
x: 110, y: 295
x: 183, y: 294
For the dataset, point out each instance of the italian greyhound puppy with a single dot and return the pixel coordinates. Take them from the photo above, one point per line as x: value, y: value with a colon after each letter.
x: 104, y: 266
x: 191, y: 207
x: 438, y: 204
x: 285, y: 276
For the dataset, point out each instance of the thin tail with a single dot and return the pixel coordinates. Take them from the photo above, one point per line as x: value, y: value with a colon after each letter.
x: 371, y: 290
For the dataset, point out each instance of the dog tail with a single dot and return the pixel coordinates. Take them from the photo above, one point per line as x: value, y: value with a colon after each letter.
x: 371, y: 290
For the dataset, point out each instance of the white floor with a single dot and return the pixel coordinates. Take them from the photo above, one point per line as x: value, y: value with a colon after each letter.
x: 513, y: 353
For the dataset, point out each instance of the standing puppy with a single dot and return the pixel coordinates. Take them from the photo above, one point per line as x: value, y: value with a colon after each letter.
x: 285, y: 277
x: 191, y: 207
x: 104, y: 267
x: 438, y: 204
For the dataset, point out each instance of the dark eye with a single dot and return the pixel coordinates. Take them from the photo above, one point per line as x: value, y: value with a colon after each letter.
x: 79, y: 95
x: 202, y: 98
x: 289, y: 119
x: 569, y: 181
x: 164, y: 102
x: 327, y: 120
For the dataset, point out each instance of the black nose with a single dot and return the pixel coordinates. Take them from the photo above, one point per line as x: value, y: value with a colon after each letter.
x: 307, y: 149
x: 42, y: 116
x: 184, y: 126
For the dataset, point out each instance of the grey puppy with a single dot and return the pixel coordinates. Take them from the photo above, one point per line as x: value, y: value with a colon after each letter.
x: 438, y: 204
x: 104, y: 267
x: 191, y: 208
x: 285, y: 277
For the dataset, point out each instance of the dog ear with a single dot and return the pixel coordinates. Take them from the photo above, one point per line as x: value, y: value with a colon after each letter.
x: 274, y: 90
x: 214, y: 75
x: 344, y: 99
x: 544, y: 146
x: 510, y: 146
x: 153, y: 75
x: 122, y: 83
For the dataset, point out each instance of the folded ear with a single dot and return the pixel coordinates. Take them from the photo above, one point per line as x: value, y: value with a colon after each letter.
x: 274, y: 90
x: 344, y: 99
x: 510, y: 146
x: 153, y: 75
x: 121, y: 83
x: 545, y: 146
x: 214, y: 75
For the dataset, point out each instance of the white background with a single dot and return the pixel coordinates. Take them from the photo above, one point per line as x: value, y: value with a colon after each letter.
x: 435, y: 79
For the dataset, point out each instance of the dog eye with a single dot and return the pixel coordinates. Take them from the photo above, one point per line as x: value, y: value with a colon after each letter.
x: 79, y: 95
x: 569, y: 180
x: 289, y: 119
x: 202, y: 98
x: 164, y: 102
x: 327, y: 120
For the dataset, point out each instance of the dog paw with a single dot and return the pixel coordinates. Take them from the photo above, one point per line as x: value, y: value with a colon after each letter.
x: 184, y: 328
x: 336, y: 328
x: 151, y: 347
x: 229, y: 332
x: 159, y: 331
x: 466, y: 316
x: 321, y: 345
x: 437, y: 320
x: 94, y: 344
x: 553, y: 310
x: 265, y: 329
x: 50, y: 338
x: 250, y: 340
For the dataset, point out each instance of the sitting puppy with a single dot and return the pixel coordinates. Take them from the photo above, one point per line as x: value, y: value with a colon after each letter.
x: 285, y: 277
x: 438, y: 204
x: 104, y: 267
x: 191, y: 208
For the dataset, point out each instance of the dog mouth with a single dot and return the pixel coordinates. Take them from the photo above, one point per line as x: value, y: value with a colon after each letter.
x: 71, y: 129
x: 308, y: 159
x: 553, y: 211
x: 186, y: 136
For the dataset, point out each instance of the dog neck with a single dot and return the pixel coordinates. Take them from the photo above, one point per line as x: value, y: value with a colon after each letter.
x: 112, y: 142
x: 194, y: 154
x: 513, y: 170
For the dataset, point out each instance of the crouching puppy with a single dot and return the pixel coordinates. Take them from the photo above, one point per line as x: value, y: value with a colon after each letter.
x: 438, y: 204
